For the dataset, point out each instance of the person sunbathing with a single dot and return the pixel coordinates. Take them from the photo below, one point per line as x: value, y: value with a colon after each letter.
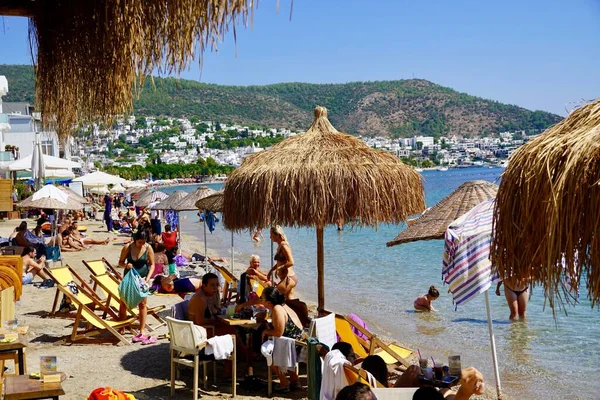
x: 84, y: 241
x: 172, y: 284
x: 68, y: 243
x: 31, y: 268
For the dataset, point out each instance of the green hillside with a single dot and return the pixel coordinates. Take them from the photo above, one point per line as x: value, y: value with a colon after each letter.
x: 396, y: 108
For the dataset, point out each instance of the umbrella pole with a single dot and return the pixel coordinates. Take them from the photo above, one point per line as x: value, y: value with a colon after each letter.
x: 320, y: 271
x: 493, y: 344
x: 205, y: 250
x: 232, y: 252
x: 272, y: 273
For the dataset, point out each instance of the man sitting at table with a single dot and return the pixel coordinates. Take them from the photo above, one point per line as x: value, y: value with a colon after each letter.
x: 205, y: 305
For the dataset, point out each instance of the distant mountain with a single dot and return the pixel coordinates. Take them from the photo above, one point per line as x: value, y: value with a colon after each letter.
x: 389, y: 108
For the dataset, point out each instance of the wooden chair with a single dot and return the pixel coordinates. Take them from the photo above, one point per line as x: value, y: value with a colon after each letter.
x: 185, y: 342
x: 101, y: 267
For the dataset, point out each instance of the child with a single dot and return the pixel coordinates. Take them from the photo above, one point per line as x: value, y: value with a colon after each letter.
x: 423, y: 303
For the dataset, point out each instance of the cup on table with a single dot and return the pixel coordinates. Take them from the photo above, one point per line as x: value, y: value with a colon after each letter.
x: 428, y: 373
x: 423, y: 364
x: 438, y: 370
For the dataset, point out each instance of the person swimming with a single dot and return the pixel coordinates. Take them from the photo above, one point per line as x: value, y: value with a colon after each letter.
x: 423, y: 303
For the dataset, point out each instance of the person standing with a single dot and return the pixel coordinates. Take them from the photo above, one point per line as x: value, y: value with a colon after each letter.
x: 155, y: 218
x: 108, y: 201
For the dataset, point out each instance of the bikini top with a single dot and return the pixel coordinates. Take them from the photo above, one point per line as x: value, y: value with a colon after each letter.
x: 279, y: 256
x: 141, y: 261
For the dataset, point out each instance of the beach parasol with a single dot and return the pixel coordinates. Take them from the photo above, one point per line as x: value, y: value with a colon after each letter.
x: 118, y: 188
x: 99, y: 178
x: 316, y: 179
x: 50, y: 162
x: 51, y: 197
x: 150, y: 197
x: 74, y: 195
x: 169, y: 202
x: 188, y: 203
x: 37, y: 162
x: 432, y: 224
x: 58, y: 174
x: 546, y: 217
x: 466, y: 265
x: 98, y: 190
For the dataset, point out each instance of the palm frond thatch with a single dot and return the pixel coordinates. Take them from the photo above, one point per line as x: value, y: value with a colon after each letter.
x: 433, y: 223
x: 188, y: 203
x: 171, y: 201
x: 546, y: 217
x: 318, y: 178
x: 214, y: 202
x: 90, y: 55
x: 149, y: 197
x: 51, y: 204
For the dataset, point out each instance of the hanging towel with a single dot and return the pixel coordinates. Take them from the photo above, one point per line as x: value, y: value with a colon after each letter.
x: 179, y: 310
x: 359, y: 322
x: 210, y: 221
x: 284, y: 352
x: 220, y: 346
x: 334, y: 378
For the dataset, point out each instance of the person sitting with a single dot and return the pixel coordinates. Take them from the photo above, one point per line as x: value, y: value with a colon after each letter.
x: 31, y: 268
x: 171, y: 284
x: 169, y: 238
x: 284, y: 323
x: 161, y: 260
x: 471, y: 383
x: 205, y: 305
x: 377, y: 367
x: 68, y: 243
x: 24, y: 238
x: 423, y: 303
x: 254, y: 271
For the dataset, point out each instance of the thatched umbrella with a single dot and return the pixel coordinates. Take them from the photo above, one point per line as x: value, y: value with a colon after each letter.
x: 214, y: 202
x: 150, y: 197
x: 546, y: 216
x: 90, y: 54
x: 434, y: 222
x: 319, y: 178
x: 188, y: 203
x: 170, y: 202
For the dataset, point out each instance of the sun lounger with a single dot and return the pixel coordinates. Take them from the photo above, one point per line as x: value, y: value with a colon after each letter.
x: 231, y: 282
x: 101, y: 267
x: 63, y: 276
x: 354, y: 375
x: 109, y: 284
x: 94, y: 323
x: 392, y: 353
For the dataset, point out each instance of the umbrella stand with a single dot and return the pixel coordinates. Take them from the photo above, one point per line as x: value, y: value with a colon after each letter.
x: 232, y: 252
x: 205, y: 250
x: 320, y: 270
x: 493, y: 344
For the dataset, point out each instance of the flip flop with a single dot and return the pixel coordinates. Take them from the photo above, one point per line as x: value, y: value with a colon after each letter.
x: 138, y: 338
x: 149, y: 340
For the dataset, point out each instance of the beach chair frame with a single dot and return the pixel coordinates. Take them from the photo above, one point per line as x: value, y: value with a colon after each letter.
x: 108, y: 268
x: 354, y: 375
x: 112, y: 293
x: 94, y: 323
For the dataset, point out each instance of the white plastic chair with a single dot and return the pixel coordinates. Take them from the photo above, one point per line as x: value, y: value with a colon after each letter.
x: 184, y: 341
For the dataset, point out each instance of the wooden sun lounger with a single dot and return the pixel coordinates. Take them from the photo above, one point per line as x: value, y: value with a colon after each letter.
x: 101, y: 267
x: 110, y: 285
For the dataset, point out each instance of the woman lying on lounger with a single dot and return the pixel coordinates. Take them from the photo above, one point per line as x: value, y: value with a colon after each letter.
x: 171, y: 284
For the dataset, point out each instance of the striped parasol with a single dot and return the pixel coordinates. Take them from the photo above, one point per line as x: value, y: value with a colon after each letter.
x: 467, y: 267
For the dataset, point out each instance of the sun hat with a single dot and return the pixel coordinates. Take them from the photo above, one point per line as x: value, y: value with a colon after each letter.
x: 267, y: 350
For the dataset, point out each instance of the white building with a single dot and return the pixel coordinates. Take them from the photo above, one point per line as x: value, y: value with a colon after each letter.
x: 426, y: 140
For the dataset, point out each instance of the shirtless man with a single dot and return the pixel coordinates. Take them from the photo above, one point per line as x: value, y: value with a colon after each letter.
x: 31, y: 268
x: 84, y: 241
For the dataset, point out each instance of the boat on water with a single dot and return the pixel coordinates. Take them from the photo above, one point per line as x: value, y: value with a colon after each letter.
x: 419, y: 169
x: 443, y: 169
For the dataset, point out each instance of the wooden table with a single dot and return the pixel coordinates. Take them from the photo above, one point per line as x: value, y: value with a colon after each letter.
x: 18, y: 346
x: 246, y: 324
x: 20, y: 387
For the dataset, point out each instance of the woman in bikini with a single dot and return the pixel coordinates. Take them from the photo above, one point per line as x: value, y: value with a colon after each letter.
x: 140, y: 256
x: 284, y: 263
x: 516, y: 292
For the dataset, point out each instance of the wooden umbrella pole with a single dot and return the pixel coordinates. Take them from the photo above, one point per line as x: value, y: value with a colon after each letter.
x: 320, y: 270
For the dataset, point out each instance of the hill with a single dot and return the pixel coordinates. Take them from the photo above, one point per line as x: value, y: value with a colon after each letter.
x: 398, y: 108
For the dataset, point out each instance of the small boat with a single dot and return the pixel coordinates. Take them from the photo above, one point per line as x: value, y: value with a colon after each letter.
x: 443, y: 169
x: 419, y: 169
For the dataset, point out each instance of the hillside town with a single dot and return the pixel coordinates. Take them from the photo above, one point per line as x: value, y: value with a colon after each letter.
x: 144, y: 140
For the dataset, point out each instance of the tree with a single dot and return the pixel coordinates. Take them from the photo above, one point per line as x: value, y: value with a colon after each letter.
x: 140, y: 123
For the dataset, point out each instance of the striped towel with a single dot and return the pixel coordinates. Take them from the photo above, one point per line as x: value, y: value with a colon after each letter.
x: 466, y: 265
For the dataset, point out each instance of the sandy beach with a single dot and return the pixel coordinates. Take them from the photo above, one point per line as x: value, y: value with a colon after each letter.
x: 141, y: 370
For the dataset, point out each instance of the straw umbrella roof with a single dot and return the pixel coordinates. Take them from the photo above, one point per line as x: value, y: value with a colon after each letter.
x: 188, y: 203
x: 214, y: 202
x: 151, y: 196
x: 432, y: 224
x: 90, y: 54
x: 319, y: 178
x: 171, y: 201
x: 546, y: 216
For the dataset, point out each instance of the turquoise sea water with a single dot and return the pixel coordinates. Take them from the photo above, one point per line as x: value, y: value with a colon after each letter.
x: 540, y: 358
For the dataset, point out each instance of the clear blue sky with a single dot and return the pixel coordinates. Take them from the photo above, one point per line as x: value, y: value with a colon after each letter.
x: 536, y: 54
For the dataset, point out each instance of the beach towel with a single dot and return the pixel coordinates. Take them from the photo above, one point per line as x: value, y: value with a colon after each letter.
x: 210, y: 221
x: 334, y: 378
x: 284, y: 352
x: 172, y: 218
x: 359, y: 322
x: 220, y: 346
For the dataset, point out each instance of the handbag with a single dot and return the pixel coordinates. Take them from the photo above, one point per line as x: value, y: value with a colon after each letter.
x: 133, y: 289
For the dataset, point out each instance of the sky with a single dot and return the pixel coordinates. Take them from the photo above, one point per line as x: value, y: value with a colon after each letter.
x: 541, y: 55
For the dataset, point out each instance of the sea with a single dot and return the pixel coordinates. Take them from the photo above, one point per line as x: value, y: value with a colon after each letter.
x: 548, y: 356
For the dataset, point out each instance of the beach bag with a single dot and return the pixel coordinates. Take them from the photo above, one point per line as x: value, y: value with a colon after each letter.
x: 52, y: 253
x: 108, y: 393
x: 180, y: 260
x: 133, y: 289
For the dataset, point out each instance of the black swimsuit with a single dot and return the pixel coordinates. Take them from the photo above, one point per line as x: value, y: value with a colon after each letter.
x: 517, y: 292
